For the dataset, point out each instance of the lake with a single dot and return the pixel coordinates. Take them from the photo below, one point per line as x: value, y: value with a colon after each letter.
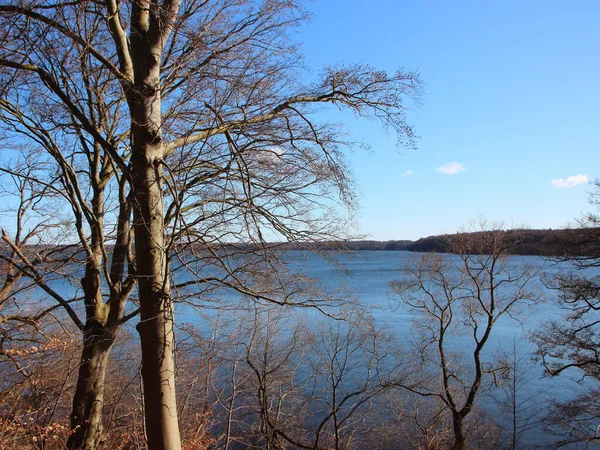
x: 365, y: 275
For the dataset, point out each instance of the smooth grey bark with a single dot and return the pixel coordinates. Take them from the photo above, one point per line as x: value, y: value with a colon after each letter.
x: 149, y: 32
x: 156, y: 309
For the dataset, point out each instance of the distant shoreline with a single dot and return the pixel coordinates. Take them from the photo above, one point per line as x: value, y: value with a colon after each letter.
x: 540, y: 242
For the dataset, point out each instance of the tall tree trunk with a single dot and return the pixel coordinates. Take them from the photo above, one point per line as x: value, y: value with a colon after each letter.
x: 86, y: 416
x: 156, y: 308
x: 151, y: 25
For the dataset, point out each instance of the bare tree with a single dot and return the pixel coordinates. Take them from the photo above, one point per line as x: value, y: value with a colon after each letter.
x: 515, y: 399
x: 274, y: 352
x: 572, y: 341
x: 458, y: 299
x: 354, y: 362
x: 418, y: 422
x: 316, y: 385
x: 49, y: 248
x: 569, y: 345
x: 213, y: 134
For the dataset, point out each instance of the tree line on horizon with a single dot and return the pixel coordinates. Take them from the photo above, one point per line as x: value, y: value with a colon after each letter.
x: 541, y: 242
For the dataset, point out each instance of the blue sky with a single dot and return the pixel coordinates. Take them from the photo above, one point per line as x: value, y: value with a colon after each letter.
x: 512, y: 95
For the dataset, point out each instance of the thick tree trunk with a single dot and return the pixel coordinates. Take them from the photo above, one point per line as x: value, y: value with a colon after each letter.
x: 457, y: 427
x: 86, y: 416
x: 156, y: 309
x: 98, y: 339
x: 158, y: 372
x: 150, y: 28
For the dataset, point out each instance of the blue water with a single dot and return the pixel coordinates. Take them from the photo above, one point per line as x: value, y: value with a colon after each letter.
x: 364, y: 277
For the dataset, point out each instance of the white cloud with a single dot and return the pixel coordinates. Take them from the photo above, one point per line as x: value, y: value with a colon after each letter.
x: 407, y: 173
x: 569, y: 182
x: 452, y: 168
